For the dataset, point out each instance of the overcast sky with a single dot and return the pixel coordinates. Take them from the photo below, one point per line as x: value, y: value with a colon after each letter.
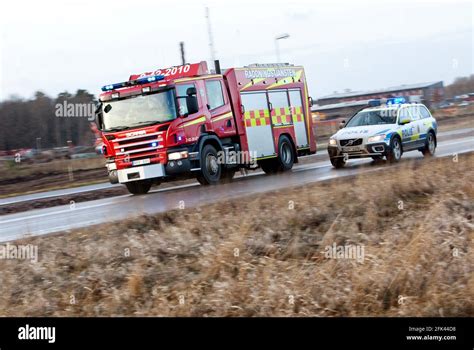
x: 53, y: 45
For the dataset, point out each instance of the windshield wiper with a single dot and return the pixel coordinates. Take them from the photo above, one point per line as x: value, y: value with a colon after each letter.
x: 149, y: 122
x: 118, y: 128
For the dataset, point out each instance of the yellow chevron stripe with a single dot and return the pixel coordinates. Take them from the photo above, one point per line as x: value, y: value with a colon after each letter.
x: 255, y: 81
x: 196, y: 121
x: 223, y: 116
x: 287, y: 80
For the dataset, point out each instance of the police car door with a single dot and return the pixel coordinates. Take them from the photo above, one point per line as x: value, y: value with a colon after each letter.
x: 426, y: 121
x: 408, y: 129
x: 417, y: 138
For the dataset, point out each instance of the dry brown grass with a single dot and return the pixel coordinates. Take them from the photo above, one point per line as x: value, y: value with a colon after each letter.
x: 256, y: 257
x: 11, y: 169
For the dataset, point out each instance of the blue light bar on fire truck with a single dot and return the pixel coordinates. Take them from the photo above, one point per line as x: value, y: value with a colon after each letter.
x: 139, y: 81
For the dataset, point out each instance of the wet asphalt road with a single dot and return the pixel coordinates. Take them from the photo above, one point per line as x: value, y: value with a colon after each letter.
x: 62, y: 218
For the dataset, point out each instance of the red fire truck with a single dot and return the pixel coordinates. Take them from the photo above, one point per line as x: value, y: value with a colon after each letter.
x: 183, y: 122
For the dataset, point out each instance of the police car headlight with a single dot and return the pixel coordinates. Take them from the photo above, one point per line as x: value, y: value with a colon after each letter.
x: 332, y: 142
x: 376, y: 138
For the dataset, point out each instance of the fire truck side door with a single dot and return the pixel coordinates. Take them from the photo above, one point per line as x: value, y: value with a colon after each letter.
x: 219, y: 108
x: 192, y: 122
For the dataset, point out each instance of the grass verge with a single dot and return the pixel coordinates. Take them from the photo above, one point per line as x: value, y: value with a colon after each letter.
x: 266, y: 255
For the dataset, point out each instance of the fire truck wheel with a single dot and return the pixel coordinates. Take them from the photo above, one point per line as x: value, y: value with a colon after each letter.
x: 138, y: 187
x: 211, y: 170
x: 286, y: 156
x: 227, y: 175
x: 269, y: 166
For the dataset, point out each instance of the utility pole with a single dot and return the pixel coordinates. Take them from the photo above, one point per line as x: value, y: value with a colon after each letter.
x: 211, y: 41
x: 181, y: 47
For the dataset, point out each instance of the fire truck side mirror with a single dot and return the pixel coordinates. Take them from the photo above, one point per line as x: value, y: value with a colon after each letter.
x: 191, y: 101
x: 192, y: 104
x: 191, y: 91
x: 98, y: 116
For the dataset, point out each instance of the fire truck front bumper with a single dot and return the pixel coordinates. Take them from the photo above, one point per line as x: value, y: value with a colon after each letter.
x: 152, y: 171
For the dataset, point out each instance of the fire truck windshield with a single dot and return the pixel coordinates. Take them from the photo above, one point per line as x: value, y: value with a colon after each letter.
x: 139, y: 110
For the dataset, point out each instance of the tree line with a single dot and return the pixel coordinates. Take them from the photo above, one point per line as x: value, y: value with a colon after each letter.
x: 460, y: 86
x: 28, y: 123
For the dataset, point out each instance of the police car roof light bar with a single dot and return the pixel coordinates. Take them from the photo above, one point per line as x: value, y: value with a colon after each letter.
x: 374, y: 103
x: 395, y: 101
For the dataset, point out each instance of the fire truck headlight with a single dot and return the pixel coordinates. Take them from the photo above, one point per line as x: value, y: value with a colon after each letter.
x: 178, y: 155
x: 332, y: 141
x: 111, y: 166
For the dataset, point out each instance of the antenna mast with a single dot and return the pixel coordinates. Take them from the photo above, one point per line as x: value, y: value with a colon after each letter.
x: 211, y: 41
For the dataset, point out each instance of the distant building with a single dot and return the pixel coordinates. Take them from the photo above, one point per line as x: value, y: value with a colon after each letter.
x: 345, y: 104
x: 338, y: 110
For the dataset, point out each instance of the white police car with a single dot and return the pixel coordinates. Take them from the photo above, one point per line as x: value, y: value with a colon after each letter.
x: 386, y: 128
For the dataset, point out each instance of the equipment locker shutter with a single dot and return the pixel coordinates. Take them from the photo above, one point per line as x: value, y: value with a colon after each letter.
x: 297, y: 112
x: 257, y: 124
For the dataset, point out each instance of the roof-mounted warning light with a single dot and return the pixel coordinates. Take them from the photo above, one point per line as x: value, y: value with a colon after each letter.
x: 389, y: 101
x: 395, y: 101
x: 139, y: 81
x: 374, y: 103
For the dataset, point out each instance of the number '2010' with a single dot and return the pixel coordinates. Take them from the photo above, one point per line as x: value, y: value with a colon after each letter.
x: 173, y: 70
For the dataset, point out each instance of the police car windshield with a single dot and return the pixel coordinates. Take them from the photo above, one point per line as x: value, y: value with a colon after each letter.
x: 139, y: 111
x: 376, y: 117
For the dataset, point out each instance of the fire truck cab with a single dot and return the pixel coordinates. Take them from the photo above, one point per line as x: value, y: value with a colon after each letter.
x: 184, y: 122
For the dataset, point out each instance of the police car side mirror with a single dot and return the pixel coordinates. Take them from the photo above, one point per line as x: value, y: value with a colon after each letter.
x: 342, y: 124
x: 404, y: 121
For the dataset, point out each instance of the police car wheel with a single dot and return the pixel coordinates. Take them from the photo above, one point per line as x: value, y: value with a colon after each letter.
x: 395, y: 152
x: 430, y: 145
x: 211, y: 170
x: 138, y: 187
x: 338, y: 162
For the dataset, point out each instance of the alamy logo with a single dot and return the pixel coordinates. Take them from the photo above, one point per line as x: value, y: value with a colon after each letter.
x: 335, y: 251
x: 19, y: 252
x: 237, y: 157
x: 75, y: 110
x: 37, y: 333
